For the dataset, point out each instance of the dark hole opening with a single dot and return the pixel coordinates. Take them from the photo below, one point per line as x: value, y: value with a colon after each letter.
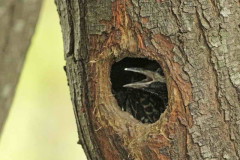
x: 144, y: 95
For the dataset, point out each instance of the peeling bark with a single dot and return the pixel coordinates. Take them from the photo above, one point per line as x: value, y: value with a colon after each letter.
x: 18, y: 20
x: 197, y: 45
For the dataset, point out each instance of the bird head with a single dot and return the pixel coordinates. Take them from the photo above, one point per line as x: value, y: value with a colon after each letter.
x: 153, y: 83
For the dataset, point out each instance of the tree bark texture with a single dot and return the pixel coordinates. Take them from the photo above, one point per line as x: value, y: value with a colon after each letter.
x: 197, y: 43
x: 18, y: 19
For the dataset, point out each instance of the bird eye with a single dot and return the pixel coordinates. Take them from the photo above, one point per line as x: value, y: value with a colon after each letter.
x: 138, y: 86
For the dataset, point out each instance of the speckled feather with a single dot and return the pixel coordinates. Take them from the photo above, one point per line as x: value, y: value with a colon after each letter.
x: 143, y: 105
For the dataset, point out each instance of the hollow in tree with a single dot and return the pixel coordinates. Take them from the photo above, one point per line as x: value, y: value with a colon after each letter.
x: 196, y: 43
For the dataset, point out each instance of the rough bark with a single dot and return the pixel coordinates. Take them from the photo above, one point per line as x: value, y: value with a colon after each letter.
x: 18, y: 20
x: 197, y: 44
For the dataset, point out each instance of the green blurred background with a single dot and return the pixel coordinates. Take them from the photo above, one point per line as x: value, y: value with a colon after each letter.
x: 41, y: 123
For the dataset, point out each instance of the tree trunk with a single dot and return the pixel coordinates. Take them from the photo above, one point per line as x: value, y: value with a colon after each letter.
x: 197, y: 43
x: 18, y: 20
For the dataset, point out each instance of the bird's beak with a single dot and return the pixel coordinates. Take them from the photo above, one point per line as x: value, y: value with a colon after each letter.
x: 151, y: 77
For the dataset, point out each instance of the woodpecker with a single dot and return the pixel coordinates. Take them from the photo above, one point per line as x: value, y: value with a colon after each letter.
x: 145, y: 99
